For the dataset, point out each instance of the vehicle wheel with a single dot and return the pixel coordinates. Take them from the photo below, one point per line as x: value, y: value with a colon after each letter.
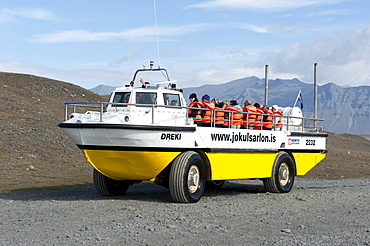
x: 283, y: 173
x: 109, y: 187
x: 187, y: 178
x: 215, y: 184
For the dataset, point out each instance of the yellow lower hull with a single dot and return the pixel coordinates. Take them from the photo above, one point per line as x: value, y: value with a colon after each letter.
x: 129, y: 165
x: 306, y: 161
x: 145, y: 165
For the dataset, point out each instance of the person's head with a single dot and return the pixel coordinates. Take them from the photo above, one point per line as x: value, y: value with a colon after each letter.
x: 205, y: 98
x: 167, y: 95
x: 257, y: 105
x: 226, y: 103
x: 265, y: 107
x: 174, y: 103
x: 247, y: 103
x: 215, y: 101
x: 233, y: 102
x: 275, y: 108
x: 193, y: 97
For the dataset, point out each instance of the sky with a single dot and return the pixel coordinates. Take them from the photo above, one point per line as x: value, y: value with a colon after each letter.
x: 89, y: 43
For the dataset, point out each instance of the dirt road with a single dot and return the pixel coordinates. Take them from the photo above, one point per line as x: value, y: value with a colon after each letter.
x: 315, y: 212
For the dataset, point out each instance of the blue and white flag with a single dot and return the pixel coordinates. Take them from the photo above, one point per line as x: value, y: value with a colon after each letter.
x: 300, y: 99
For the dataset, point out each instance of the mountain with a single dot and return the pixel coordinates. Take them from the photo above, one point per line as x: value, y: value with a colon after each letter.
x: 103, y: 89
x: 345, y: 110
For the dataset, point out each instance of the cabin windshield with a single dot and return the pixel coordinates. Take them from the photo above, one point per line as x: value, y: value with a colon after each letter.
x: 146, y: 98
x: 171, y: 99
x: 121, y: 97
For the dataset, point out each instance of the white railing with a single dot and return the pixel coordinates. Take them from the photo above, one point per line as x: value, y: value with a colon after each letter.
x: 287, y: 122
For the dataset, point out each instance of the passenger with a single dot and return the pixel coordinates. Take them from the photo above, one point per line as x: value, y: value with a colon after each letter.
x: 237, y: 115
x: 259, y: 117
x: 249, y: 119
x: 277, y: 120
x: 207, y: 114
x: 174, y: 103
x: 127, y: 98
x: 227, y: 119
x: 166, y: 99
x: 215, y: 101
x: 196, y: 114
x: 267, y: 119
x: 144, y: 98
x: 219, y: 114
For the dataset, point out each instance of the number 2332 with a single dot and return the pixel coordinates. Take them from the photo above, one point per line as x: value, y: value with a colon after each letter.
x: 310, y: 141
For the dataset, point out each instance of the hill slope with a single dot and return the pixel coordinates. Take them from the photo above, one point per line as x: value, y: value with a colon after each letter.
x: 35, y: 152
x: 30, y: 109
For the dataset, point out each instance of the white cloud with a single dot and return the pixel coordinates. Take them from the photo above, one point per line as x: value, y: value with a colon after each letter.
x: 273, y: 28
x: 333, y: 12
x: 253, y: 28
x: 75, y: 36
x: 343, y: 58
x: 264, y: 5
x: 131, y: 34
x: 9, y: 15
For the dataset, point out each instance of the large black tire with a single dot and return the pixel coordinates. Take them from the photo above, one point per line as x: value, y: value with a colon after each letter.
x: 187, y: 178
x: 109, y: 187
x: 215, y: 184
x: 283, y: 173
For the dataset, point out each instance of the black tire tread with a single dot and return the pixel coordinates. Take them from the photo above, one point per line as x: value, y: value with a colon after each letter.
x: 176, y: 184
x: 271, y: 184
x: 107, y: 186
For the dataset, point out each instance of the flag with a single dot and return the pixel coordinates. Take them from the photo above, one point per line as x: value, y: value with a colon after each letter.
x: 300, y: 99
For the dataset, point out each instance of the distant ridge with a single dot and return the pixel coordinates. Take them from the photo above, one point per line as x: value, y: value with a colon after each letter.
x: 103, y: 89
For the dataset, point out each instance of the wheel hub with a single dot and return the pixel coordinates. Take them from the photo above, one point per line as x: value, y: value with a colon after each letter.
x: 284, y: 174
x: 193, y: 179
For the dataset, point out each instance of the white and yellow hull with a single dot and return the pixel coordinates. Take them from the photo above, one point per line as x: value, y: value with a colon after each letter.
x: 139, y: 152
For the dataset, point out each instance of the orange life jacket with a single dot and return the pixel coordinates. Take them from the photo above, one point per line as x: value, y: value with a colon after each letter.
x: 207, y: 114
x: 267, y: 119
x: 250, y: 118
x: 245, y: 116
x: 198, y: 116
x: 278, y: 123
x: 219, y: 116
x: 259, y: 118
x: 237, y: 116
x: 227, y: 118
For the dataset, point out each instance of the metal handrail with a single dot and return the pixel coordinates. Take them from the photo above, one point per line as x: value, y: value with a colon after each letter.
x: 102, y: 106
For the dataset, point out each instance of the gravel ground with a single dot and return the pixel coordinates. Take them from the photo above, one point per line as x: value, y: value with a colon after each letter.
x: 315, y: 212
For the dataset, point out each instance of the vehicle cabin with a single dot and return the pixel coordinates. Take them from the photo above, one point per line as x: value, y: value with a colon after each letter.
x: 140, y: 104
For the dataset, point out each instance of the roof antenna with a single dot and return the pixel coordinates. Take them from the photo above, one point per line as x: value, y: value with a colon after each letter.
x: 156, y: 31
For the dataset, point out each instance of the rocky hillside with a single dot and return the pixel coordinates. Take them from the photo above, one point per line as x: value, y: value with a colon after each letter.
x: 33, y: 148
x: 35, y: 152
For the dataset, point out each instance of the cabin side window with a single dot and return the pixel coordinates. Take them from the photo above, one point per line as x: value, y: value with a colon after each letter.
x: 171, y: 99
x: 121, y: 97
x: 146, y: 98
